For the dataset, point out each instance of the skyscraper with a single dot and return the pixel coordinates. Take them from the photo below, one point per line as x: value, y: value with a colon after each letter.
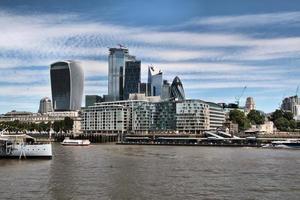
x: 177, y: 90
x: 90, y: 100
x: 67, y: 79
x: 132, y: 78
x: 45, y: 105
x: 250, y: 104
x: 116, y: 72
x: 144, y: 88
x: 155, y: 80
x: 165, y: 91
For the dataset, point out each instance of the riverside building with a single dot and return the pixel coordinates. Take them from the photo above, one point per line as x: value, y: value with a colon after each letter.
x: 145, y: 115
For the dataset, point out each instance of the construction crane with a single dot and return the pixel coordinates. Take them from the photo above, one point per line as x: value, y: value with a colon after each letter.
x: 237, y: 98
x: 121, y: 46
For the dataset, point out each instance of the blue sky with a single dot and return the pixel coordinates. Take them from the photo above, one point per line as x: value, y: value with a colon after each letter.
x: 215, y: 47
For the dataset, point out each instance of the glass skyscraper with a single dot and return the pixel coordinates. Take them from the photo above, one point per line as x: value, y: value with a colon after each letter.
x: 177, y: 90
x: 67, y: 79
x: 132, y: 78
x: 155, y: 80
x: 116, y: 72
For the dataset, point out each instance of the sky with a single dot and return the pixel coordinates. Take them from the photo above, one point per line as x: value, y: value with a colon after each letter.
x: 215, y: 47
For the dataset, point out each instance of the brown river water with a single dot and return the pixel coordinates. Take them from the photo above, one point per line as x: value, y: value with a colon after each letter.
x: 154, y: 172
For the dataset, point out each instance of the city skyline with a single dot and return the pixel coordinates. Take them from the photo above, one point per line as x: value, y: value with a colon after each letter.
x: 215, y: 51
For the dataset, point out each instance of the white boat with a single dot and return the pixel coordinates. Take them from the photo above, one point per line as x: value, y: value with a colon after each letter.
x: 289, y: 143
x: 71, y: 142
x: 22, y: 145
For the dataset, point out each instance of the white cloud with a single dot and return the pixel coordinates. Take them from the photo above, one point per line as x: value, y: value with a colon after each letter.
x: 279, y: 18
x: 28, y: 40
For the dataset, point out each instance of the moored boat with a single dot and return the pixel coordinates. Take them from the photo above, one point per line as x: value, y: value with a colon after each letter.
x: 22, y: 145
x: 72, y: 142
x: 290, y: 143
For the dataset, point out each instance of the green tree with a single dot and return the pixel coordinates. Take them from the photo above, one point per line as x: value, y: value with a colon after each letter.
x: 293, y: 124
x: 275, y: 115
x: 68, y: 124
x: 57, y: 126
x: 282, y: 123
x: 239, y: 117
x: 256, y: 117
x: 288, y: 115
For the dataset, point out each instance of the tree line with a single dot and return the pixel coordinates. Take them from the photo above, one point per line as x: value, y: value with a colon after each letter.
x: 17, y: 126
x: 282, y: 120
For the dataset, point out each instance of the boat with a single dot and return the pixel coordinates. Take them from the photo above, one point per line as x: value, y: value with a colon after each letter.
x: 22, y: 145
x: 290, y: 143
x: 71, y: 142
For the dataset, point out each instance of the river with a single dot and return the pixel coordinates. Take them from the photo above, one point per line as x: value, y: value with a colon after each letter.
x: 154, y: 172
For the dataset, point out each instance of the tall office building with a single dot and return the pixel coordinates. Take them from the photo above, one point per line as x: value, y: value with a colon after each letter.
x: 90, y: 100
x: 292, y: 104
x: 67, y: 79
x: 155, y: 80
x: 116, y: 71
x: 177, y: 90
x: 165, y: 91
x: 45, y: 105
x: 145, y: 88
x: 250, y: 104
x: 132, y: 78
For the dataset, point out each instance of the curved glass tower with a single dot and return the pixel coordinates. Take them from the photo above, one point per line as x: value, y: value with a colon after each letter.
x: 177, y: 90
x: 67, y: 79
x: 155, y: 80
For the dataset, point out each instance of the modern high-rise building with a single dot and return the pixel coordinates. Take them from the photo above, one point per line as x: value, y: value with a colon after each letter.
x: 155, y: 80
x: 90, y: 100
x: 145, y: 88
x: 165, y: 90
x: 116, y: 71
x: 292, y: 104
x: 177, y: 90
x: 67, y: 82
x: 250, y: 104
x: 132, y: 78
x: 45, y: 105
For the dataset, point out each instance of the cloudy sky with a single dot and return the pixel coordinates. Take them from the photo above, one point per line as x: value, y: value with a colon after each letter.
x: 215, y: 47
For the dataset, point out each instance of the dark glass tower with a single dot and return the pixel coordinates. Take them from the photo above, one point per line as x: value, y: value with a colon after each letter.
x: 132, y: 78
x: 177, y: 90
x: 116, y: 72
x: 67, y: 79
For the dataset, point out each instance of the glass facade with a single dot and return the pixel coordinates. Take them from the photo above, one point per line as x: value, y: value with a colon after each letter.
x: 155, y: 80
x: 116, y: 63
x: 132, y: 78
x: 177, y: 90
x: 66, y: 85
x: 60, y: 85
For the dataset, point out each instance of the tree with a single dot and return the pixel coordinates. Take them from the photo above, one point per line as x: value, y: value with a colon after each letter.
x: 256, y: 117
x: 293, y: 124
x: 68, y: 124
x: 57, y: 126
x: 239, y: 117
x: 275, y: 115
x: 282, y: 123
x: 288, y: 115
